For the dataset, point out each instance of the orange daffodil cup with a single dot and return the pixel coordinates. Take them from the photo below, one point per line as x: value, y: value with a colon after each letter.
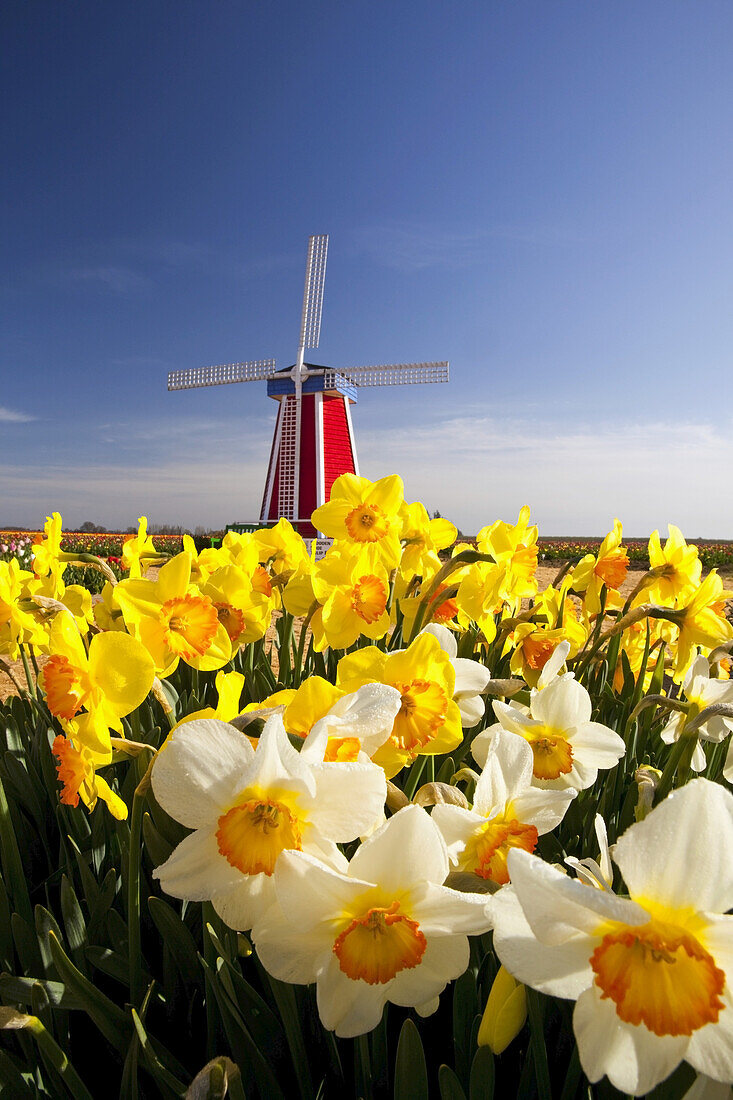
x: 651, y: 972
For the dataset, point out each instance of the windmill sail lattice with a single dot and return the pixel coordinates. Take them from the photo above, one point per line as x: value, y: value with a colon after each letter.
x: 314, y: 439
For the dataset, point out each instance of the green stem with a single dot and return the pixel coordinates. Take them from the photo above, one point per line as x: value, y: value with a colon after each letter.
x: 413, y: 777
x: 685, y: 746
x: 298, y: 669
x: 28, y: 674
x: 363, y: 1067
x: 137, y: 986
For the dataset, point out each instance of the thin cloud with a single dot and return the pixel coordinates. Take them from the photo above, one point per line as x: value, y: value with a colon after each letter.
x: 118, y: 280
x: 413, y: 246
x: 12, y: 416
x: 474, y: 469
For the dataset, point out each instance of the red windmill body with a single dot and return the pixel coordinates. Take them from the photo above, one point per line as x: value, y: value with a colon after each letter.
x: 314, y: 439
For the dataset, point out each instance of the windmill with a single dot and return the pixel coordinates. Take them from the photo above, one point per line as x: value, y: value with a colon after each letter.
x: 314, y: 439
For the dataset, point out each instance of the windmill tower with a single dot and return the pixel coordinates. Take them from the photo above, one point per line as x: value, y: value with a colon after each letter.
x: 314, y: 439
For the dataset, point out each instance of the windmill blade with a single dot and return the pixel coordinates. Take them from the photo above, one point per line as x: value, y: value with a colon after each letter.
x: 315, y: 275
x: 221, y: 375
x: 396, y: 374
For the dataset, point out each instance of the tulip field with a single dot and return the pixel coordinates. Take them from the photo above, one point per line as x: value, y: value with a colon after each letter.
x: 394, y: 823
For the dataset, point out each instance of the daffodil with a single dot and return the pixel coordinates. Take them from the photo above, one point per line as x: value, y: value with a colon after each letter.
x: 428, y: 721
x: 16, y: 625
x: 382, y: 929
x: 608, y: 567
x: 531, y: 645
x: 515, y: 548
x: 362, y: 511
x: 472, y: 677
x: 353, y: 590
x: 108, y: 683
x: 650, y: 973
x: 479, y: 597
x: 243, y: 611
x: 702, y: 622
x: 568, y: 749
x: 138, y: 548
x: 355, y: 725
x: 248, y: 806
x: 77, y: 773
x: 508, y: 812
x: 701, y: 691
x: 173, y: 620
x: 282, y: 550
x: 423, y: 539
x: 676, y: 568
x: 229, y: 687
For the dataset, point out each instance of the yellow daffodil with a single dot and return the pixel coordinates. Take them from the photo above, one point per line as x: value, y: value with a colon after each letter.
x: 702, y: 622
x: 77, y: 773
x: 353, y: 589
x: 608, y: 567
x: 282, y: 550
x: 531, y: 645
x: 363, y: 511
x: 16, y: 625
x: 677, y: 568
x: 244, y: 612
x: 479, y: 597
x: 514, y: 547
x: 429, y: 721
x: 137, y: 549
x: 109, y: 682
x: 173, y: 620
x: 422, y: 539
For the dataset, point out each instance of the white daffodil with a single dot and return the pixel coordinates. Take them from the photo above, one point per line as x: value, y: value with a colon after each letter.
x: 650, y: 972
x: 472, y: 677
x: 383, y: 929
x: 247, y: 806
x: 508, y: 812
x: 568, y: 749
x: 701, y: 691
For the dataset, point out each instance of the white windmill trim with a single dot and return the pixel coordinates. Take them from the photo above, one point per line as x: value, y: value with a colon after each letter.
x: 347, y: 407
x: 320, y: 456
x: 274, y: 458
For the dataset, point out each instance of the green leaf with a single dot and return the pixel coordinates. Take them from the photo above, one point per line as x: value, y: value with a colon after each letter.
x: 178, y: 939
x: 19, y: 991
x: 26, y: 945
x: 11, y: 1076
x: 12, y: 865
x: 483, y: 1075
x: 450, y: 1086
x: 45, y: 922
x: 162, y: 1076
x: 539, y: 1050
x: 109, y: 1019
x: 243, y: 1047
x: 7, y: 950
x: 74, y: 924
x: 158, y: 847
x: 410, y: 1071
x: 465, y: 1007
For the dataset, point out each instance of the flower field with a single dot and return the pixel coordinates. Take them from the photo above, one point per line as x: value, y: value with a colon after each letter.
x: 393, y: 823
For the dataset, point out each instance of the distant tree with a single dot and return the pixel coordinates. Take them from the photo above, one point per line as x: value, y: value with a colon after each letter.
x: 92, y: 528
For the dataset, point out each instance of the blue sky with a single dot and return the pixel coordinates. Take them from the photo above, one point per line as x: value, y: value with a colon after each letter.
x: 539, y: 192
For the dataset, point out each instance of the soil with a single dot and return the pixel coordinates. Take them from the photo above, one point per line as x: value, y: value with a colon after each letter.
x: 546, y: 573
